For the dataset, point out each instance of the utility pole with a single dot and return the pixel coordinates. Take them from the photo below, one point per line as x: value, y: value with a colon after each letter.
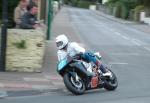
x: 4, y: 35
x: 50, y: 17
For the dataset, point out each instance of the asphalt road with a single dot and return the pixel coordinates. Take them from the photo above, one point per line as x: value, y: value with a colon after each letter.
x: 124, y: 49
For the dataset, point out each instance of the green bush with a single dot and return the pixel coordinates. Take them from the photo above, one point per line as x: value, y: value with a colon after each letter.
x: 80, y: 3
x: 147, y: 10
x: 110, y: 8
x: 74, y: 3
x: 121, y: 10
x: 146, y: 3
x: 117, y: 10
x: 11, y: 6
x: 137, y: 11
x: 0, y: 9
x: 66, y: 2
x: 112, y: 1
x: 131, y: 14
x: 21, y: 44
x: 85, y: 4
x: 139, y: 8
x: 124, y: 12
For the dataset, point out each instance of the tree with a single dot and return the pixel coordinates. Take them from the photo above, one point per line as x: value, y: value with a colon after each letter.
x: 147, y: 3
x: 11, y: 6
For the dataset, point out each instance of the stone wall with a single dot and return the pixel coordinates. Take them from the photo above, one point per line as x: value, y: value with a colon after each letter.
x: 25, y: 50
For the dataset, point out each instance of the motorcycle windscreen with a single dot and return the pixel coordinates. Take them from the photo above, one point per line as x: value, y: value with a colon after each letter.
x: 61, y: 64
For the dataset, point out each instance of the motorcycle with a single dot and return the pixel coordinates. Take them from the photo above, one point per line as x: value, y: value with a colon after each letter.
x: 79, y: 76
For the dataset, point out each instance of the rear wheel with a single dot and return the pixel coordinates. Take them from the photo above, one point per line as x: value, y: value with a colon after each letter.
x: 111, y: 83
x: 74, y: 83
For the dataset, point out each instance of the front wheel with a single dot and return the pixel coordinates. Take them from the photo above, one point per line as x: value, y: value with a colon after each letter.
x: 111, y: 83
x: 74, y: 83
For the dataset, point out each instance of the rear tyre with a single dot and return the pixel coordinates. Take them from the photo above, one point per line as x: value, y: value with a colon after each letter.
x: 76, y: 87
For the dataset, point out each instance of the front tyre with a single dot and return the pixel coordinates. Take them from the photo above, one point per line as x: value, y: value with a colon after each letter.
x: 77, y: 87
x: 111, y: 83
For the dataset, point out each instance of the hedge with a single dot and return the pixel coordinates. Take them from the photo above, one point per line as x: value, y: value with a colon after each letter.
x: 85, y: 4
x: 137, y: 11
x: 121, y: 10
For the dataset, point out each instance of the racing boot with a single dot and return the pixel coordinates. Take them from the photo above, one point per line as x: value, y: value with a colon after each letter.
x: 105, y: 72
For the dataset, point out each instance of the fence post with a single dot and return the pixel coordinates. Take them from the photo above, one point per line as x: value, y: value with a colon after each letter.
x: 50, y: 17
x: 4, y: 36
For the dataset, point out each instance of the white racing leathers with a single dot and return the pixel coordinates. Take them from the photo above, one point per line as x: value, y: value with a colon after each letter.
x: 72, y: 49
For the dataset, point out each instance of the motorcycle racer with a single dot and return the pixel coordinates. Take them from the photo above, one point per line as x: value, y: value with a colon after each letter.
x: 66, y: 48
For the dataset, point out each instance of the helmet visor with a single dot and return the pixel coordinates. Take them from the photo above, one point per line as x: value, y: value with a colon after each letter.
x: 58, y: 44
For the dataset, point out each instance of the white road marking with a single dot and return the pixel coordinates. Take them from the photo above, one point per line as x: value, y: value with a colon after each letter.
x: 148, y: 49
x: 118, y: 33
x: 136, y: 42
x: 124, y: 54
x: 118, y: 63
x: 125, y: 37
x: 131, y: 54
x: 139, y: 41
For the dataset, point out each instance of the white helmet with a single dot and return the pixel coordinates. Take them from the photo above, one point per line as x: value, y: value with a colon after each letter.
x: 61, y: 41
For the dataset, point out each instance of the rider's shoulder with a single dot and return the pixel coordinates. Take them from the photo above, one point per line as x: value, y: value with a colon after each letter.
x: 73, y: 44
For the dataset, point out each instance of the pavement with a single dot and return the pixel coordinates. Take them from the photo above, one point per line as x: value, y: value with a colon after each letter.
x: 14, y: 84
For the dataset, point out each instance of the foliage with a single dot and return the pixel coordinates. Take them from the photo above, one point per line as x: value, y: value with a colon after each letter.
x: 117, y: 10
x: 75, y: 2
x: 139, y: 8
x: 80, y: 3
x: 125, y: 12
x: 84, y: 4
x: 112, y: 1
x: 145, y: 3
x: 132, y: 3
x: 122, y: 8
x: 21, y: 44
x: 11, y: 6
x: 137, y: 11
x: 0, y: 9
